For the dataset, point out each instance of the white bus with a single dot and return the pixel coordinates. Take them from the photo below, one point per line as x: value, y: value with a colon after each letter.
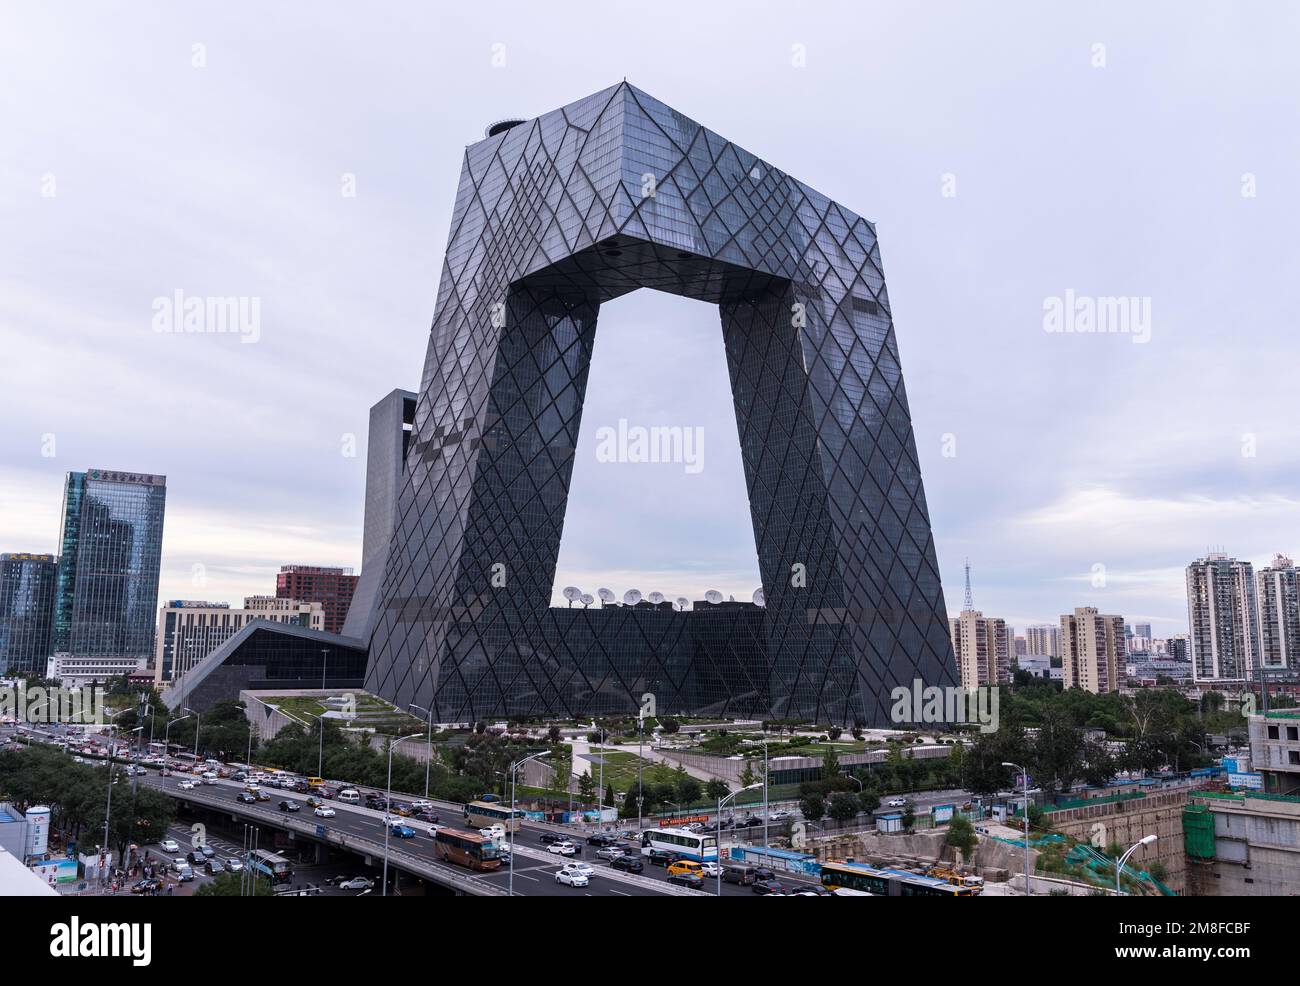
x: 700, y: 846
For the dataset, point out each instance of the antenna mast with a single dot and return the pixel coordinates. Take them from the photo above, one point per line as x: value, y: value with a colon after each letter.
x: 970, y: 604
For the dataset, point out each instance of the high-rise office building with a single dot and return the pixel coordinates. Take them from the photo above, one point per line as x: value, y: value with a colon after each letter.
x: 982, y: 647
x: 1279, y: 614
x: 1142, y: 630
x: 110, y: 552
x: 1045, y: 640
x: 387, y: 444
x: 1176, y: 647
x: 333, y: 588
x: 1222, y: 618
x: 554, y: 217
x: 27, y: 588
x: 189, y: 630
x: 1092, y: 650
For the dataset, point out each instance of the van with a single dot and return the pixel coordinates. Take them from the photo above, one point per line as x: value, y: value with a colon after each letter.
x: 349, y: 797
x: 686, y: 866
x: 315, y: 782
x: 739, y: 873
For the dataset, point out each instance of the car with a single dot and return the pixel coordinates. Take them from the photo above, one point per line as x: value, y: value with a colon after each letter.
x: 897, y: 803
x: 489, y: 797
x: 290, y: 806
x: 401, y: 831
x: 780, y: 815
x: 189, y: 786
x: 547, y: 838
x: 356, y: 883
x: 629, y: 864
x: 401, y: 808
x: 582, y: 868
x: 750, y: 822
x: 685, y: 866
x: 710, y: 869
x: 609, y: 852
x: 244, y: 798
x: 687, y: 879
x: 214, y: 866
x: 260, y: 795
x: 148, y: 886
x: 425, y: 816
x: 661, y: 857
x: 208, y: 851
x: 234, y: 865
x: 600, y: 839
x: 562, y: 849
x: 314, y: 802
x: 169, y: 845
x: 323, y: 811
x: 425, y: 806
x: 433, y: 831
x: 768, y: 887
x: 194, y: 857
x: 573, y: 879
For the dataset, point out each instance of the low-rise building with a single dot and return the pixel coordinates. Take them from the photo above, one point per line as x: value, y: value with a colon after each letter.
x: 189, y: 630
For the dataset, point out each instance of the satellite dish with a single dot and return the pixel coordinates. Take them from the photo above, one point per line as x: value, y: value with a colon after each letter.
x: 631, y: 597
x: 606, y: 596
x: 656, y: 597
x: 713, y: 596
x: 758, y: 597
x: 572, y: 593
x: 682, y: 602
x: 587, y: 599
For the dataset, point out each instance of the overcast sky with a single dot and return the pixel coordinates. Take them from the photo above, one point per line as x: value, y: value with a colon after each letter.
x: 1118, y: 150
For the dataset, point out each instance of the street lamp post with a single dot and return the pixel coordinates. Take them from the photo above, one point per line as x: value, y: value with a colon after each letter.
x: 324, y: 658
x: 717, y: 824
x: 167, y: 732
x: 108, y: 806
x: 428, y: 753
x: 1146, y: 840
x: 640, y: 763
x: 388, y: 802
x: 510, y: 822
x: 1024, y: 775
x: 198, y: 724
x: 766, y: 809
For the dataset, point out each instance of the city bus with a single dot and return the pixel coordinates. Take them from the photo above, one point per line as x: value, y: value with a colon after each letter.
x: 271, y: 865
x: 888, y: 883
x: 465, y: 849
x: 484, y: 815
x: 701, y: 846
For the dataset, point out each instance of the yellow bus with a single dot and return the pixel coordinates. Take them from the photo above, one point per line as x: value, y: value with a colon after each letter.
x: 888, y: 883
x: 465, y: 849
x: 486, y: 814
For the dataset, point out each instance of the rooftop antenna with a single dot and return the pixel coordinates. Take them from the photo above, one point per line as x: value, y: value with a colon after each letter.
x: 572, y: 593
x: 587, y: 599
x: 758, y: 597
x: 631, y: 597
x: 606, y: 596
x: 713, y: 597
x: 682, y: 603
x: 656, y: 598
x: 970, y: 604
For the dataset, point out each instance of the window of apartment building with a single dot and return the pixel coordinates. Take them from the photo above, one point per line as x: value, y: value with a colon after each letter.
x: 1293, y: 733
x: 1272, y: 732
x: 1293, y: 757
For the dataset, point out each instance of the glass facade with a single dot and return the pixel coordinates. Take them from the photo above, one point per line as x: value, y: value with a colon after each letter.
x: 110, y: 553
x: 27, y: 587
x: 553, y: 217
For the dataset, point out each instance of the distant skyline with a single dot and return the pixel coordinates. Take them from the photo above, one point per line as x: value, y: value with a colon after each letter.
x: 1012, y: 158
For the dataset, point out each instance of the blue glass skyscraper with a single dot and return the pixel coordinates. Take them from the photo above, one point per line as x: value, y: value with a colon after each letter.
x: 110, y: 553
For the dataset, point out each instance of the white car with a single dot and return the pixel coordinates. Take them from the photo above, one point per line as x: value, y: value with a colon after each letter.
x: 562, y: 849
x: 710, y: 868
x: 421, y: 806
x: 781, y: 815
x: 357, y: 883
x: 573, y: 879
x: 324, y: 811
x: 433, y: 831
x: 897, y: 803
x: 582, y: 868
x: 169, y: 845
x: 186, y: 785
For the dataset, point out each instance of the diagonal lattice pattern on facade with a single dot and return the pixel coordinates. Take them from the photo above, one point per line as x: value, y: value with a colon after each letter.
x: 554, y: 216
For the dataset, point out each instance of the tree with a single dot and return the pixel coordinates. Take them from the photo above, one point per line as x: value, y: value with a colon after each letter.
x: 834, y: 733
x: 909, y: 813
x: 813, y: 807
x: 689, y: 790
x: 233, y: 885
x: 716, y: 790
x: 609, y: 796
x: 629, y: 804
x: 669, y: 726
x: 869, y: 800
x: 844, y: 806
x: 961, y: 835
x: 586, y: 787
x: 747, y: 776
x: 830, y: 764
x: 554, y: 734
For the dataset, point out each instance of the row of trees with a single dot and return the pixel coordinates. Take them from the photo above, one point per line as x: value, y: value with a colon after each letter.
x: 77, y: 796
